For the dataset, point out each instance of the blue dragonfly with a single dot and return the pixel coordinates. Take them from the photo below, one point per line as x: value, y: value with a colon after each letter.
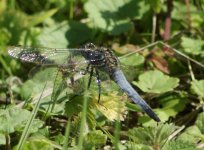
x: 88, y: 59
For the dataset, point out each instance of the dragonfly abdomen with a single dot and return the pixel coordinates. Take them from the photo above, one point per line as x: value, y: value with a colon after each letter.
x: 119, y: 78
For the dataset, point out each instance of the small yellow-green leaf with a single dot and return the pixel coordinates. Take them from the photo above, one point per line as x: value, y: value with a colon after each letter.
x: 39, y: 18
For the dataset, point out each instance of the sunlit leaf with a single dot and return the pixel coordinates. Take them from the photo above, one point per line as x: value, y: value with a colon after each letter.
x: 133, y: 60
x: 113, y: 16
x: 110, y: 106
x: 156, y: 82
x: 193, y: 46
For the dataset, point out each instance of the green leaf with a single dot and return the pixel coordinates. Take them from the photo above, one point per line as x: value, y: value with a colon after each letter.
x: 40, y: 143
x: 2, y: 139
x: 95, y: 138
x: 65, y: 34
x: 12, y: 118
x: 151, y: 136
x: 172, y: 104
x: 133, y: 60
x: 150, y: 81
x: 191, y: 46
x: 113, y: 16
x: 179, y: 145
x: 194, y: 133
x: 197, y: 87
x: 40, y: 17
x: 200, y: 122
x: 156, y: 5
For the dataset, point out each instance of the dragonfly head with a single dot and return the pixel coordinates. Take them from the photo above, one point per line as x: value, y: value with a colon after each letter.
x: 92, y: 53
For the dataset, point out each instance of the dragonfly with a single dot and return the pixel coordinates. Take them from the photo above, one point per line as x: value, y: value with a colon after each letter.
x: 89, y: 59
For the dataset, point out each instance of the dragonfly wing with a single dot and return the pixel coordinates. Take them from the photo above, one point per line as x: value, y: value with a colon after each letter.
x: 49, y: 56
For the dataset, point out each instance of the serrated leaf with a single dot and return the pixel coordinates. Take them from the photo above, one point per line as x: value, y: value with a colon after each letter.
x: 95, y: 138
x: 151, y: 136
x: 133, y: 146
x: 197, y: 87
x: 156, y: 82
x: 180, y: 145
x: 193, y: 46
x: 113, y: 16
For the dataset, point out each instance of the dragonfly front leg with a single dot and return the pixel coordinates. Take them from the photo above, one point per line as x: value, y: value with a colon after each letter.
x: 91, y: 74
x: 99, y: 85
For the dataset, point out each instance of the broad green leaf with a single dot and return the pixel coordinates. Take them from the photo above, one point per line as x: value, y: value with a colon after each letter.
x: 156, y: 82
x: 114, y: 16
x: 193, y: 46
x: 65, y: 34
x: 12, y: 118
x: 133, y: 60
x: 197, y: 87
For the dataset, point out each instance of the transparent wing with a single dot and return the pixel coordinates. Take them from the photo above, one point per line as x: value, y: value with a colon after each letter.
x: 47, y: 56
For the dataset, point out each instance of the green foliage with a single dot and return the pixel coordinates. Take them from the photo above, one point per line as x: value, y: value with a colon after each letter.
x: 114, y: 16
x: 65, y: 115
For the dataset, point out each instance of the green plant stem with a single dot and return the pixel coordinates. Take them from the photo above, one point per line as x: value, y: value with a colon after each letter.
x: 30, y: 121
x: 71, y: 5
x: 154, y: 25
x: 190, y: 69
x: 83, y: 122
x: 65, y: 144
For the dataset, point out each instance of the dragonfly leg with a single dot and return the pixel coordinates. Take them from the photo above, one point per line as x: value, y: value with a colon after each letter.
x: 99, y: 85
x: 91, y: 74
x: 87, y: 70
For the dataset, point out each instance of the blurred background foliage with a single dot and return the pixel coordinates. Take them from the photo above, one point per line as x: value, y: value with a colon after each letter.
x: 168, y: 74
